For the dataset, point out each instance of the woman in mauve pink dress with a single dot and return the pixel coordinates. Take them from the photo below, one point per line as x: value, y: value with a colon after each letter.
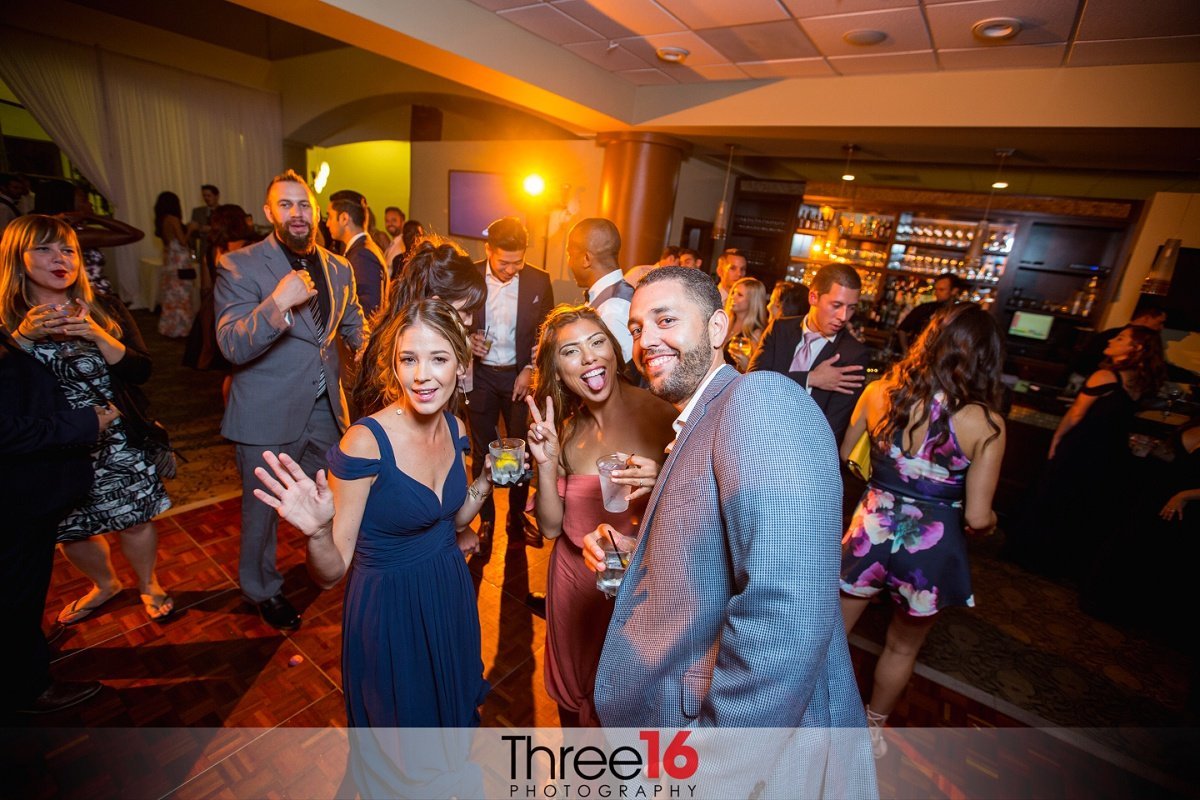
x: 583, y: 409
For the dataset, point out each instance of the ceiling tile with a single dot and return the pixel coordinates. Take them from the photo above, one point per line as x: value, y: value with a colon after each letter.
x: 885, y: 63
x: 549, y: 23
x: 713, y: 72
x: 700, y: 52
x: 905, y: 29
x: 1161, y: 50
x: 803, y: 9
x: 1044, y: 21
x: 496, y: 5
x: 1031, y: 55
x: 1112, y: 19
x: 763, y: 42
x: 636, y: 17
x: 646, y: 77
x: 788, y: 68
x: 722, y: 13
x: 612, y: 59
x: 582, y: 11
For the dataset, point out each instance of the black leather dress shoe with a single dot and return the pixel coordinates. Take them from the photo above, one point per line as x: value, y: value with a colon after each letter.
x: 524, y: 529
x: 537, y: 603
x: 60, y: 695
x: 279, y: 613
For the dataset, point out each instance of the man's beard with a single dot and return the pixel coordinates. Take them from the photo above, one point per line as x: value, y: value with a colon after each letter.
x: 297, y: 244
x: 681, y: 383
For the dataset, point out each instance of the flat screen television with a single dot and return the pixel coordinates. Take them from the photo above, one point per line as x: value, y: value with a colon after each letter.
x: 1028, y: 325
x: 477, y: 199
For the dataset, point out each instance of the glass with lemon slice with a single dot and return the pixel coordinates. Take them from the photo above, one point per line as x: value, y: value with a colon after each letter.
x: 508, y: 461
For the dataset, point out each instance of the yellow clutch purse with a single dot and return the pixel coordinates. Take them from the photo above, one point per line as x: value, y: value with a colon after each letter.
x: 859, y: 461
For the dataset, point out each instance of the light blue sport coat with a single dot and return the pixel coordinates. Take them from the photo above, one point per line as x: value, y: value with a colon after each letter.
x: 729, y: 613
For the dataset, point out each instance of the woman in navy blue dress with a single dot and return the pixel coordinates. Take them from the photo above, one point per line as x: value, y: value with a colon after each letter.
x: 410, y: 642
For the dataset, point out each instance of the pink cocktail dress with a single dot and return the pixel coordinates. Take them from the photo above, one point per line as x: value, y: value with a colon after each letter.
x: 577, y: 613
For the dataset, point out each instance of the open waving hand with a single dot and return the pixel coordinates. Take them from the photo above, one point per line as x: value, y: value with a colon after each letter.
x: 297, y: 498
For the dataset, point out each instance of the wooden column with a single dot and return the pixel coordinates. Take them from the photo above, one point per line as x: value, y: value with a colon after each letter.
x: 637, y: 190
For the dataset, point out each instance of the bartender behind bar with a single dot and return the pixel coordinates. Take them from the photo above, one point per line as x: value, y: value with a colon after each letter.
x: 947, y: 288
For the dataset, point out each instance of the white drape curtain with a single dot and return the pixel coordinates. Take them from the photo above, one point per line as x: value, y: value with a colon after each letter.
x: 136, y: 129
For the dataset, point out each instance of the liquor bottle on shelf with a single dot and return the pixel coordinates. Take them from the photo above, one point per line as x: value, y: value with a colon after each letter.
x: 1089, y: 297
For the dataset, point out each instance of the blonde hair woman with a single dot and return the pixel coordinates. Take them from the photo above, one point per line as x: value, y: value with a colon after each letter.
x: 746, y: 307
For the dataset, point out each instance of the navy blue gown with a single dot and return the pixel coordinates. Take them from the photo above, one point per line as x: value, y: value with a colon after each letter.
x: 410, y: 627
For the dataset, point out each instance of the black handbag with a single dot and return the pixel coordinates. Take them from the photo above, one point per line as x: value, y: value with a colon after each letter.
x: 146, y: 434
x: 186, y: 273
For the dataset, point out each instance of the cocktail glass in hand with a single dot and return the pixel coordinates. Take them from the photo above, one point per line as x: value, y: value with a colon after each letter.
x: 608, y: 580
x: 613, y: 493
x: 508, y: 461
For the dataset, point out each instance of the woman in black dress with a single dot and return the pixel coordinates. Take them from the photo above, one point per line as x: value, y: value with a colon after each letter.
x: 94, y: 349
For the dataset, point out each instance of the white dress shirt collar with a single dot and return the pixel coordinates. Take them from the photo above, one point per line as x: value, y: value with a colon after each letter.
x: 603, y: 283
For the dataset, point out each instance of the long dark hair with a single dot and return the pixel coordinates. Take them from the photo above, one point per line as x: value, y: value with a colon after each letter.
x: 167, y: 205
x: 961, y: 355
x: 435, y: 267
x: 1147, y: 363
x: 228, y: 224
x: 567, y: 404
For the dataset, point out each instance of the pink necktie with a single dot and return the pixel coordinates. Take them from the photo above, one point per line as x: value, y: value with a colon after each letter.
x: 802, y: 361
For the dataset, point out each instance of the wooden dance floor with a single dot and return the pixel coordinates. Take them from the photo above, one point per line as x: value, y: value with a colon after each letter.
x: 186, y: 702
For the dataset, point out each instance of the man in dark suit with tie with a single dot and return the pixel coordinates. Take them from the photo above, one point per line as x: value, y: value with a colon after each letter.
x: 283, y: 307
x: 817, y: 350
x: 347, y: 222
x: 503, y: 335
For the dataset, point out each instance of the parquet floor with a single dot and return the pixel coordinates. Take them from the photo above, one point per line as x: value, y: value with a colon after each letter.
x: 211, y: 705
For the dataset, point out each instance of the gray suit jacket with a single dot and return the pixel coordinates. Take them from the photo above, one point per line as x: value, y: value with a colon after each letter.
x: 729, y: 615
x: 275, y: 364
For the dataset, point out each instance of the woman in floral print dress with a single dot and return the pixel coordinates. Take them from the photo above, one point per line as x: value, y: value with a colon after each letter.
x: 937, y: 440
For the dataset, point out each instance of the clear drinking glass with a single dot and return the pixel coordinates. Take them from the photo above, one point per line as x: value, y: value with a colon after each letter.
x: 613, y: 493
x: 508, y: 461
x: 608, y: 580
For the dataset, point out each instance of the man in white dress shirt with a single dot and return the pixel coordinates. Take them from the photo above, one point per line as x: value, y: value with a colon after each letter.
x: 503, y: 335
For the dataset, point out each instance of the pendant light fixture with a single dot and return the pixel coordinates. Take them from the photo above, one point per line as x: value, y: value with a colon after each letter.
x: 721, y: 225
x: 1158, y: 281
x: 974, y: 256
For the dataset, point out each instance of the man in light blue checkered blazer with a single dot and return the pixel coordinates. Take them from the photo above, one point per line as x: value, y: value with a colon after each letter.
x: 728, y: 615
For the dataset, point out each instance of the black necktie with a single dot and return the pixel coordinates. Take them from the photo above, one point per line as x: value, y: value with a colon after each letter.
x: 314, y: 307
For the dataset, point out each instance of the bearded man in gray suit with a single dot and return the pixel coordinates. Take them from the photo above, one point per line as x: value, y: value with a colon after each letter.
x: 281, y: 306
x: 728, y: 615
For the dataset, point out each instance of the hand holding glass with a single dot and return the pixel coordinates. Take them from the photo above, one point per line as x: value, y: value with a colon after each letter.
x: 615, y: 496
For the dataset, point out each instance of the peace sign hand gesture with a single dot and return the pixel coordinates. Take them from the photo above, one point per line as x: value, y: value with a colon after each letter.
x: 542, y: 436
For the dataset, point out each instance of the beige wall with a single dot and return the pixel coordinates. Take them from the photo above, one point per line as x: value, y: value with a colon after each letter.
x: 1167, y: 215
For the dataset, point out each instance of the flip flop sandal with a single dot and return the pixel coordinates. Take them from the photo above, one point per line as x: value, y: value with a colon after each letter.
x: 158, y: 608
x: 74, y: 613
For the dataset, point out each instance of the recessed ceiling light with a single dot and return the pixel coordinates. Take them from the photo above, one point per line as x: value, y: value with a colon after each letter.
x: 864, y: 37
x: 672, y: 55
x: 847, y: 177
x: 1000, y: 185
x: 996, y: 29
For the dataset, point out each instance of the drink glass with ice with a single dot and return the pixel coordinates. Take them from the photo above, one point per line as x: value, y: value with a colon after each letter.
x: 608, y: 580
x: 508, y: 461
x: 614, y: 493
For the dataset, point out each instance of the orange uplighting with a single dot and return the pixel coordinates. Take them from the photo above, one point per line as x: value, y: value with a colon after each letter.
x: 534, y: 185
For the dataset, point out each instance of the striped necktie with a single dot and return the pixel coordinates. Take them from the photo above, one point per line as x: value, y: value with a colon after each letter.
x: 314, y: 307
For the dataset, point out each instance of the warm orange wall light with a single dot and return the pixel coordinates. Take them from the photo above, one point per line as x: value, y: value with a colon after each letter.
x: 535, y: 185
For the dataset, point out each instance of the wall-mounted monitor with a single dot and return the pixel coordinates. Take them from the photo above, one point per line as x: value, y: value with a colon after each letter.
x: 477, y: 199
x: 1028, y: 325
